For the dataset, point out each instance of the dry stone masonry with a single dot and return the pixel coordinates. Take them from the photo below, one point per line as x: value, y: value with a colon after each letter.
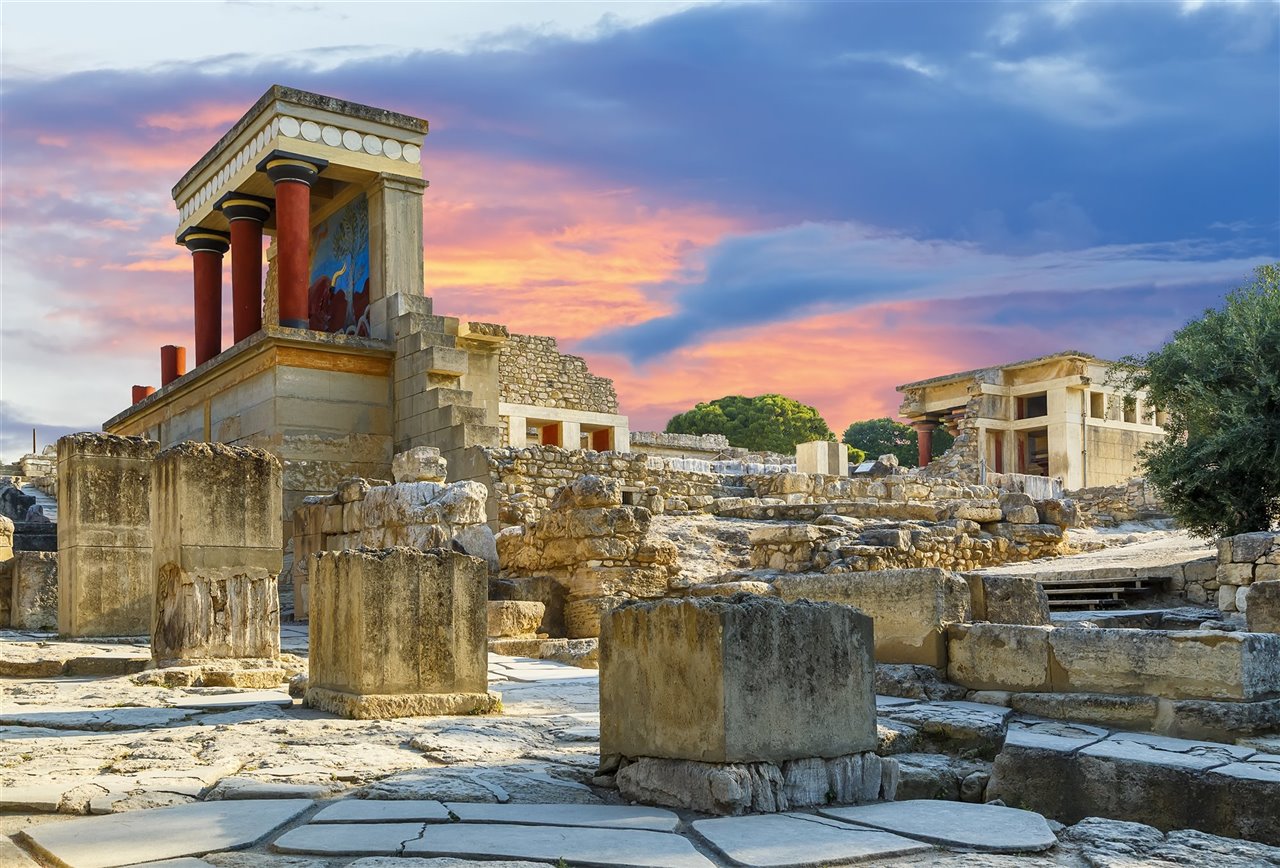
x: 533, y: 371
x: 1243, y: 560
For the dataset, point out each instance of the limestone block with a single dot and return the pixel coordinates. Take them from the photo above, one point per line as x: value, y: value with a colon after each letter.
x: 1263, y: 612
x: 217, y: 612
x: 409, y: 503
x: 999, y: 657
x: 1063, y: 513
x: 351, y: 490
x: 1246, y: 548
x: 1177, y: 664
x: 478, y: 541
x: 1227, y: 598
x: 398, y: 632
x: 784, y: 534
x: 217, y: 552
x: 6, y: 538
x: 512, y: 618
x: 823, y: 457
x: 419, y: 464
x: 582, y: 617
x: 588, y: 491
x: 911, y: 608
x: 740, y: 680
x: 1014, y: 600
x: 34, y: 592
x: 1235, y: 574
x: 104, y: 535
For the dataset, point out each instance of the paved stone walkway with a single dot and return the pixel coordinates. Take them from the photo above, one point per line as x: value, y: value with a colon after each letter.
x: 193, y: 774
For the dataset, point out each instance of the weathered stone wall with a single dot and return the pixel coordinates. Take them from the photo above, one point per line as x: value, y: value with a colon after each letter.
x: 532, y: 371
x: 709, y: 447
x: 105, y: 578
x: 524, y: 481
x: 34, y: 591
x: 1243, y: 560
x: 595, y: 548
x: 1111, y: 505
x: 963, y: 461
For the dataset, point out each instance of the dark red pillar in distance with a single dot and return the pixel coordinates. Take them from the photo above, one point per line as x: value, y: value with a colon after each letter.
x: 246, y: 214
x: 207, y: 247
x: 924, y: 433
x: 292, y: 176
x: 173, y: 363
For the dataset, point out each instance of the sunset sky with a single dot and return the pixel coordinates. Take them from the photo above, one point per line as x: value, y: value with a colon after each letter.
x: 823, y: 200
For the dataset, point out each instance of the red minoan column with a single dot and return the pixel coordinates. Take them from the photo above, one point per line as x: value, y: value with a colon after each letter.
x: 293, y: 176
x: 140, y: 392
x: 246, y: 214
x: 173, y: 363
x: 207, y: 247
x: 924, y: 433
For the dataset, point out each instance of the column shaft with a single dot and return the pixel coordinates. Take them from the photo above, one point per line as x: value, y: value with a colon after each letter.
x: 246, y: 214
x: 173, y: 363
x: 924, y: 434
x: 293, y: 261
x: 207, y: 265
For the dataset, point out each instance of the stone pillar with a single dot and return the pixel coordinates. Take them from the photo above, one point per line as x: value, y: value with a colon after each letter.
x: 924, y: 433
x: 571, y: 435
x: 395, y: 236
x: 207, y: 247
x: 246, y: 215
x: 691, y: 688
x: 517, y: 432
x: 173, y: 363
x: 826, y: 457
x: 104, y: 535
x: 216, y: 523
x: 398, y: 633
x: 293, y: 176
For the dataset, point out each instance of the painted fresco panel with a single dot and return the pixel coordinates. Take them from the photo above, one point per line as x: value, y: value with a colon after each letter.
x: 338, y: 300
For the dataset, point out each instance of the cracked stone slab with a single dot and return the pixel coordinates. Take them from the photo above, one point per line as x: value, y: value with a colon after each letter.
x: 184, y: 862
x: 1054, y: 735
x: 624, y: 848
x: 598, y: 816
x: 233, y: 699
x: 1254, y: 771
x: 383, y: 811
x: 986, y: 828
x: 162, y: 833
x: 955, y: 825
x: 795, y: 840
x: 1165, y: 751
x: 97, y: 719
x: 348, y: 839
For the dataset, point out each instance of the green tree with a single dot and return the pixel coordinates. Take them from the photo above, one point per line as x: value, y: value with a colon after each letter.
x: 884, y: 436
x: 1218, y: 381
x: 772, y: 423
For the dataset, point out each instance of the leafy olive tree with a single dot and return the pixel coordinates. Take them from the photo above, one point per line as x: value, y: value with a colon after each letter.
x: 771, y: 423
x: 1218, y: 379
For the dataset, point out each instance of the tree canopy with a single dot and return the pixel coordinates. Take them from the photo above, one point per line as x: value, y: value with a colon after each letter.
x: 884, y: 436
x: 772, y: 423
x: 1218, y: 381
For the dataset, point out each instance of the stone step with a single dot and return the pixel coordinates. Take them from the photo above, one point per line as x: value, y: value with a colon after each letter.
x: 442, y: 396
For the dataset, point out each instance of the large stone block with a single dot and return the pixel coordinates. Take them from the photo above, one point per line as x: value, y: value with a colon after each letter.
x: 34, y: 600
x: 1262, y: 612
x: 825, y: 457
x: 1009, y: 600
x: 999, y: 657
x: 1175, y: 664
x: 742, y: 679
x: 911, y: 608
x: 104, y: 535
x: 217, y: 552
x: 397, y: 633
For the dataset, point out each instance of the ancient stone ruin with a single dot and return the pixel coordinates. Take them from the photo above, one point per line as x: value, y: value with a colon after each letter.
x: 374, y: 581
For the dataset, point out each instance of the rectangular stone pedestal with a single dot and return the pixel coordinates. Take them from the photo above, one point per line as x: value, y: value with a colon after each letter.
x: 104, y: 535
x: 216, y: 519
x: 743, y: 679
x: 398, y: 633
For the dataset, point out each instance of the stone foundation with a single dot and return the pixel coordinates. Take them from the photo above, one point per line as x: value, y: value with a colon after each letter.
x: 216, y: 558
x: 398, y: 633
x: 33, y: 601
x: 105, y: 579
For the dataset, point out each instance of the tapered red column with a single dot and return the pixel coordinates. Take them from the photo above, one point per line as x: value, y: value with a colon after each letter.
x: 173, y: 363
x: 207, y: 247
x: 292, y: 176
x: 246, y: 214
x: 924, y: 434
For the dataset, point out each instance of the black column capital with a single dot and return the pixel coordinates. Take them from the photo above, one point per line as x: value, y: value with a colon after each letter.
x: 197, y: 239
x: 288, y: 166
x: 242, y: 206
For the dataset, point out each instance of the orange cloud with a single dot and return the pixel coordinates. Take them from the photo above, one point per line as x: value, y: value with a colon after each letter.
x: 544, y: 251
x: 210, y: 116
